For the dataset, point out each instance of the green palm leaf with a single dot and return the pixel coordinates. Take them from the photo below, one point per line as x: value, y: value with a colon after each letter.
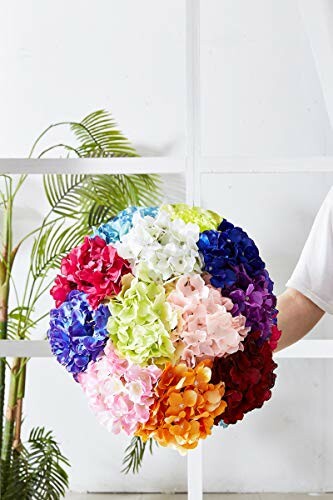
x: 98, y: 136
x: 53, y: 243
x: 63, y: 193
x: 94, y: 197
x: 37, y: 470
x: 134, y: 454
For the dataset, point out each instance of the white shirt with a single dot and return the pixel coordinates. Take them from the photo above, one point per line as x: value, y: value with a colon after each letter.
x: 313, y: 275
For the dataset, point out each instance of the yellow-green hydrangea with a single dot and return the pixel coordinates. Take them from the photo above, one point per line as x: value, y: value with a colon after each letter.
x: 205, y: 219
x: 141, y: 322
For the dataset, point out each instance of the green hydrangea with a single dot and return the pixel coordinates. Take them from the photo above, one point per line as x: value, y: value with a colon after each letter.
x: 141, y: 323
x: 205, y: 219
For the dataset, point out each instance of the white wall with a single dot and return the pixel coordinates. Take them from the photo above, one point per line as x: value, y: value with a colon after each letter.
x: 261, y: 97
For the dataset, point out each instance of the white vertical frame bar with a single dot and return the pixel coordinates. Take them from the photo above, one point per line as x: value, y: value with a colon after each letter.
x: 193, y: 132
x: 193, y: 128
x: 315, y: 19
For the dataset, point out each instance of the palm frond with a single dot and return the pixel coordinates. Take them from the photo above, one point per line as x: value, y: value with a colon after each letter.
x: 18, y: 478
x: 134, y: 454
x: 17, y: 316
x: 53, y: 244
x: 63, y: 193
x: 47, y: 463
x: 98, y: 136
x: 37, y: 471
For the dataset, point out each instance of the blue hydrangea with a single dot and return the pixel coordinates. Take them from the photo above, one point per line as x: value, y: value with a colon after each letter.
x: 77, y: 333
x: 113, y: 230
x: 225, y: 249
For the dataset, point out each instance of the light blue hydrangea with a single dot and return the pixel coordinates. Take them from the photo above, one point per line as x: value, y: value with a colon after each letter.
x: 113, y: 230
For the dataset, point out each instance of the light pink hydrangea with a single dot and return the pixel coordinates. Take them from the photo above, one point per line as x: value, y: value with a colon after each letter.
x: 206, y: 326
x: 118, y: 391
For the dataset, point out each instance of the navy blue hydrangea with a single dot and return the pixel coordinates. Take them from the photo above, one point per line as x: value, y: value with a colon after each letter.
x: 224, y: 250
x: 113, y: 230
x: 77, y: 333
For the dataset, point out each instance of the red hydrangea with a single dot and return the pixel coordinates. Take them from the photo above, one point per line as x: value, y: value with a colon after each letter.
x: 275, y: 337
x: 94, y: 267
x: 248, y: 377
x: 61, y: 289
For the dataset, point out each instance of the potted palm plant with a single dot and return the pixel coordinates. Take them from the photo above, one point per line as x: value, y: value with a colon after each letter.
x: 37, y: 468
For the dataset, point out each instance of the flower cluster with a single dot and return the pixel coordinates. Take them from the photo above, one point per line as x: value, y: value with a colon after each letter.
x: 185, y: 406
x: 113, y: 230
x: 207, y: 328
x: 166, y: 318
x: 226, y: 248
x: 94, y: 268
x: 118, y: 391
x: 141, y: 321
x: 248, y: 378
x: 77, y: 333
x: 205, y: 219
x: 161, y: 248
x: 254, y: 299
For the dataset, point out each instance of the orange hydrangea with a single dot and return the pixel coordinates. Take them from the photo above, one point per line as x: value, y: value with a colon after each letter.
x: 184, y: 408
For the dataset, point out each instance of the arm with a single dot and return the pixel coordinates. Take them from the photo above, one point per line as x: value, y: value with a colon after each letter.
x: 297, y: 316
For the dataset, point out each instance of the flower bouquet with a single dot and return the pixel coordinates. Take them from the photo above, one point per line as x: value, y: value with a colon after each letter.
x: 166, y: 318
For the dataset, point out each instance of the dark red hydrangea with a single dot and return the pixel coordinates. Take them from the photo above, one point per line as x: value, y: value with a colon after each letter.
x: 94, y: 267
x: 248, y: 377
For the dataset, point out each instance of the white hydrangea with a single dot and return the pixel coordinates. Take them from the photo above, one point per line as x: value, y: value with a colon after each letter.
x: 160, y: 248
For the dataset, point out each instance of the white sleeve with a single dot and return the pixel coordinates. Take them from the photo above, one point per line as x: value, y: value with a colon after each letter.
x: 313, y: 275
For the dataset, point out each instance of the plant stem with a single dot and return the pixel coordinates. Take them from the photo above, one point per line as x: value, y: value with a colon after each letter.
x: 17, y: 445
x: 4, y: 294
x: 10, y: 420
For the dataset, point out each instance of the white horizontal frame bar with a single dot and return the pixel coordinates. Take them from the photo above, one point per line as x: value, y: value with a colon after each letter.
x: 223, y: 165
x: 308, y: 349
x: 41, y: 349
x: 25, y: 349
x: 142, y: 165
x: 164, y: 165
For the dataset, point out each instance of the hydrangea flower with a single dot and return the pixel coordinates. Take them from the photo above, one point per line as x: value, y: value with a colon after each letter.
x: 113, y: 230
x: 184, y: 407
x: 224, y: 249
x: 254, y: 299
x: 207, y: 328
x: 77, y: 333
x: 119, y: 392
x: 94, y: 268
x: 205, y: 219
x: 141, y: 323
x: 248, y: 376
x: 161, y: 249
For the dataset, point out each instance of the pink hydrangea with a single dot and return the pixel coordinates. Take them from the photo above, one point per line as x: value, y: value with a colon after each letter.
x: 118, y: 391
x: 206, y: 327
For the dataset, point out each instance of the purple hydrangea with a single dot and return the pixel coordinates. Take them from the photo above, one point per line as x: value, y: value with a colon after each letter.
x: 77, y: 333
x: 253, y: 298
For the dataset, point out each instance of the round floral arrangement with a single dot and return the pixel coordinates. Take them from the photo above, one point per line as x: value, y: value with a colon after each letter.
x: 166, y: 318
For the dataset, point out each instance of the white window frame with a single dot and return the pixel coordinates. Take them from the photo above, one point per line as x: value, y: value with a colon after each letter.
x: 193, y: 165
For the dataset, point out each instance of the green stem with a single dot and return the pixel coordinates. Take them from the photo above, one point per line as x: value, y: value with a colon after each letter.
x: 57, y: 125
x: 17, y: 444
x: 65, y: 146
x: 4, y: 294
x: 7, y: 442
